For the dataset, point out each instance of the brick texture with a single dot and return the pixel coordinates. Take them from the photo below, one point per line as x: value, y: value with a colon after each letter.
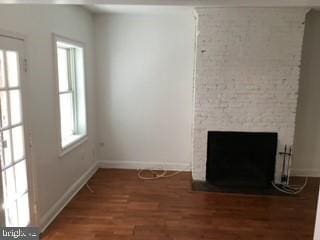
x: 247, y: 74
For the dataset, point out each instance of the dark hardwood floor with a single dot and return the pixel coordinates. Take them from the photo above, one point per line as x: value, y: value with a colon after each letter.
x: 124, y: 207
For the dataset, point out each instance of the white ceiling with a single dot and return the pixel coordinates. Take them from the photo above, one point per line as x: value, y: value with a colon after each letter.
x: 159, y: 6
x: 211, y: 3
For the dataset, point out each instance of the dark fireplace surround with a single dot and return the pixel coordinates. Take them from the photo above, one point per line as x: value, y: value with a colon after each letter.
x: 240, y: 160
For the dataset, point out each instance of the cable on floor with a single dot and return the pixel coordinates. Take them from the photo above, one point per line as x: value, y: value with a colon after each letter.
x: 156, y: 174
x: 89, y: 188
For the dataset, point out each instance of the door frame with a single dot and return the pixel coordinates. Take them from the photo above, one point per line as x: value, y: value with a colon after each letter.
x: 31, y: 170
x: 317, y: 223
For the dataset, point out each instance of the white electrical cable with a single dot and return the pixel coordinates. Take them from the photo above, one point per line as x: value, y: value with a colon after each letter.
x: 162, y: 174
x: 89, y: 188
x: 290, y: 189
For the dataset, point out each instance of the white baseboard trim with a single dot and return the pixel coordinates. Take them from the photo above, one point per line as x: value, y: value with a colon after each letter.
x: 174, y: 166
x: 53, y: 212
x: 305, y: 172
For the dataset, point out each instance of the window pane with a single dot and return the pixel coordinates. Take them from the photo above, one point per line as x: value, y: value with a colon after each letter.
x: 15, y: 106
x: 11, y: 214
x: 63, y: 73
x: 2, y: 82
x: 21, y: 177
x: 6, y: 144
x: 13, y: 68
x: 1, y: 153
x: 9, y: 187
x: 4, y: 109
x: 18, y: 143
x: 66, y: 115
x: 23, y: 211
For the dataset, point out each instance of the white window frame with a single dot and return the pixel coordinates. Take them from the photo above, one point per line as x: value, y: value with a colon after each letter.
x: 79, y: 137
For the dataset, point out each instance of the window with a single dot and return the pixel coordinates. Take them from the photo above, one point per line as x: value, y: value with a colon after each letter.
x: 71, y: 84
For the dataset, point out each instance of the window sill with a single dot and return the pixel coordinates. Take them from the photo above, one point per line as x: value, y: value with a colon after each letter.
x: 72, y: 143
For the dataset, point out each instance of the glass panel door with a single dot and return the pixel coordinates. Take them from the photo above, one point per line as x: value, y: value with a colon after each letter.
x: 14, y: 196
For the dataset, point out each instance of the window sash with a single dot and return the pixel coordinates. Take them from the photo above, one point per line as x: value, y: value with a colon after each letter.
x: 72, y: 58
x: 71, y: 69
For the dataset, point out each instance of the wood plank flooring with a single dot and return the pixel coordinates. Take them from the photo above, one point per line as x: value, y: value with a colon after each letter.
x: 124, y: 207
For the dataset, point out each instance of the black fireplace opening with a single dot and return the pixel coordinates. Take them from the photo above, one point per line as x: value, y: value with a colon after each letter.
x: 241, y: 159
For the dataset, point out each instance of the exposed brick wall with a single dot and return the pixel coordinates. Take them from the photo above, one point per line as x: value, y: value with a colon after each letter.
x: 247, y: 74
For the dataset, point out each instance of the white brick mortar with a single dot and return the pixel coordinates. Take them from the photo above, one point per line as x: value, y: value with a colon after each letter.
x: 247, y: 73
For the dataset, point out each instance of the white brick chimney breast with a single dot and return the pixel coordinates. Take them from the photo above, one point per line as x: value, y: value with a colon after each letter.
x: 247, y: 74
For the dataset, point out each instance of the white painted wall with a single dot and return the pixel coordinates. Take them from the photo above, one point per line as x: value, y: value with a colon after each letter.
x: 55, y: 175
x: 144, y: 66
x: 247, y: 74
x: 306, y: 160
